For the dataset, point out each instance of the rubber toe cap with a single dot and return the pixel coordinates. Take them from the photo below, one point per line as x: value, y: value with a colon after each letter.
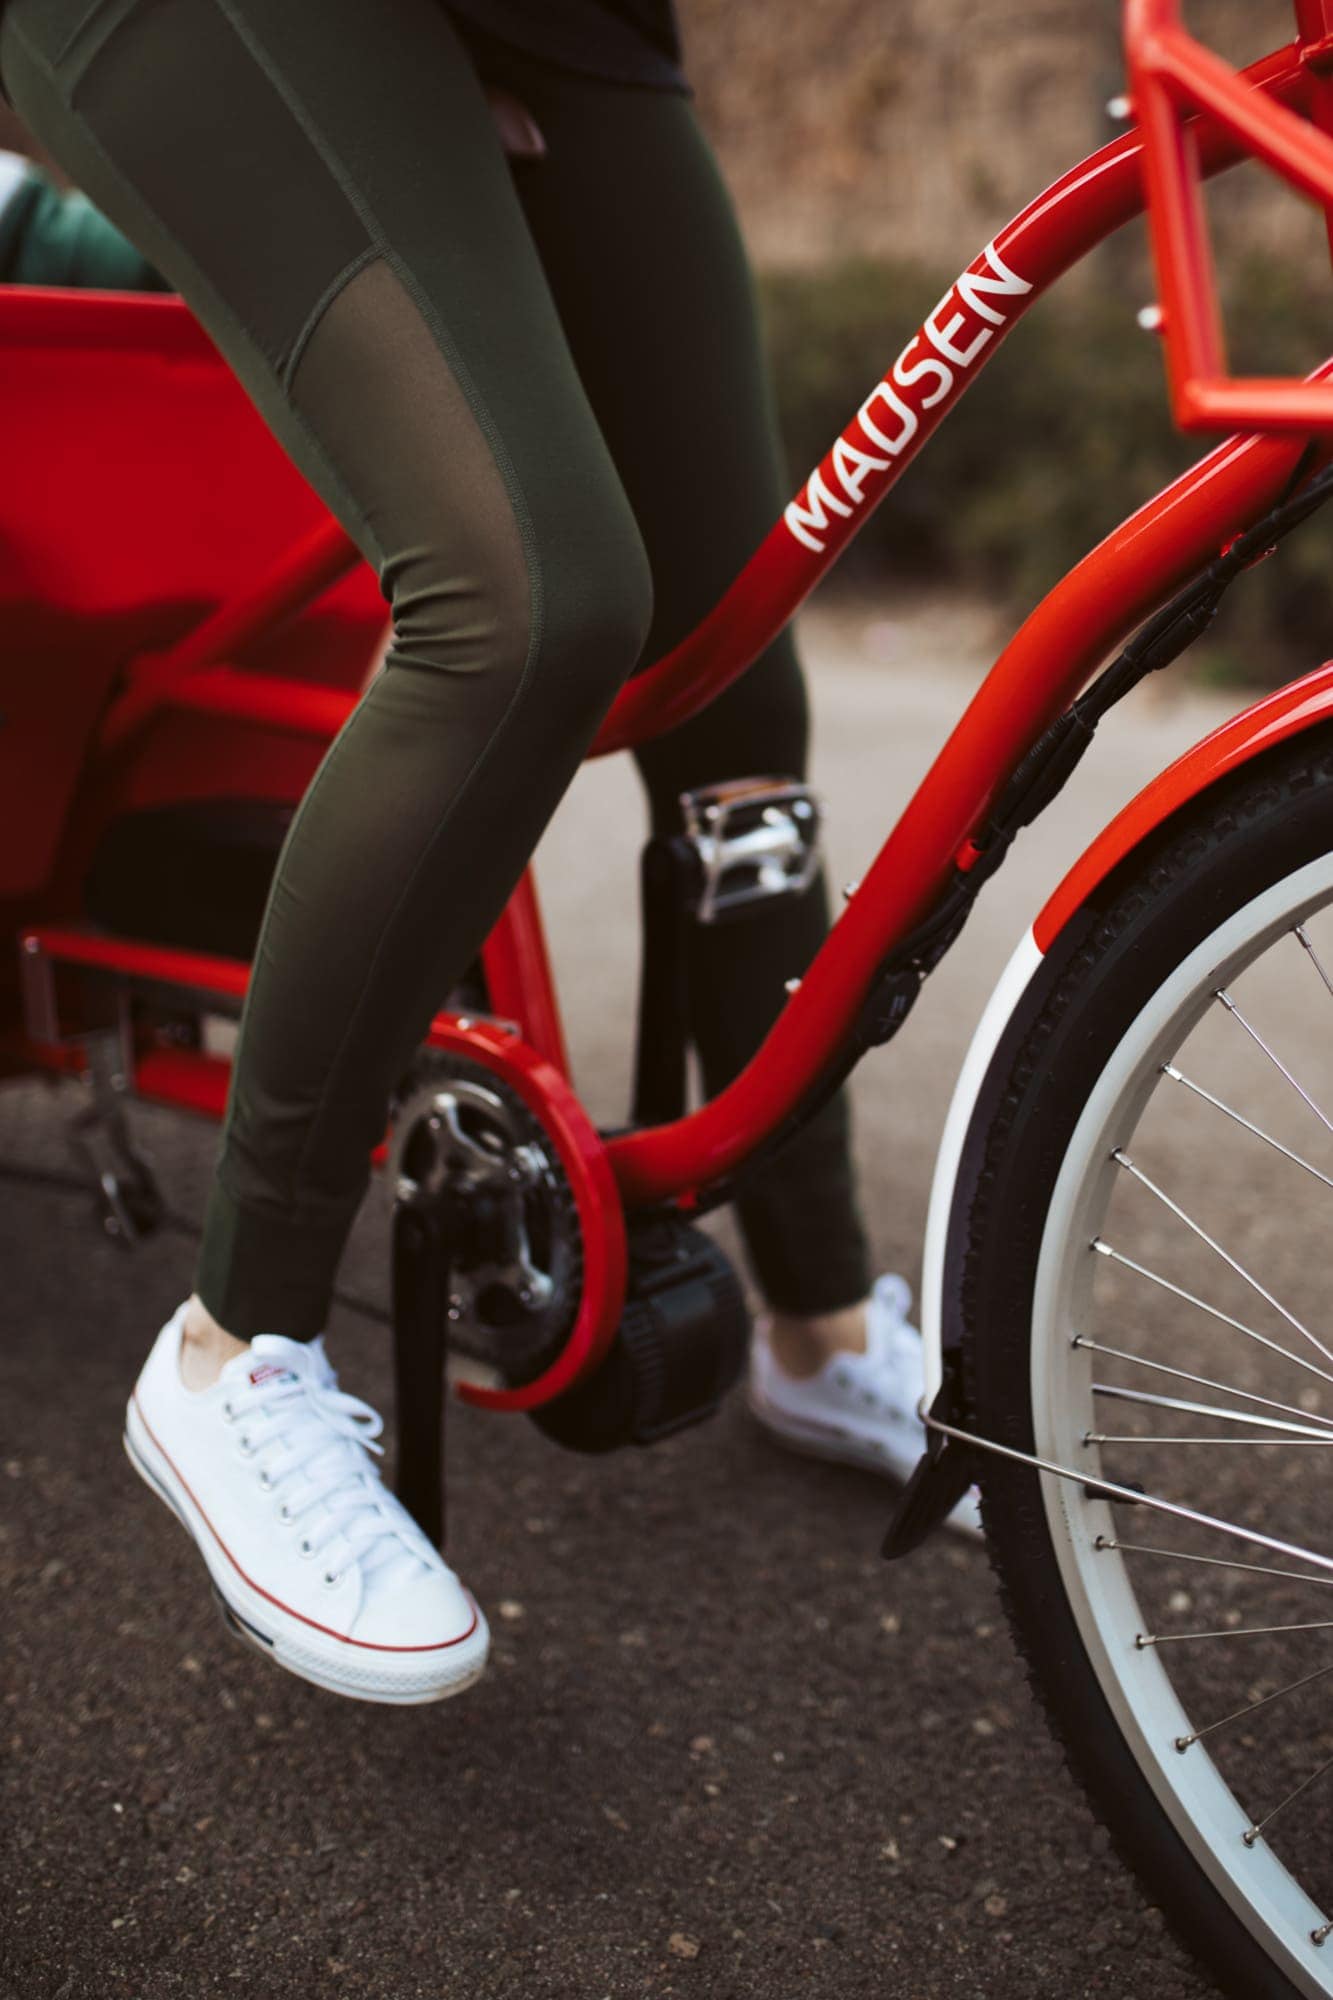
x: 430, y: 1608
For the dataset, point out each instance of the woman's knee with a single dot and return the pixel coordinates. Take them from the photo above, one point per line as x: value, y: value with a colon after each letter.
x: 496, y: 544
x: 573, y: 622
x: 596, y: 601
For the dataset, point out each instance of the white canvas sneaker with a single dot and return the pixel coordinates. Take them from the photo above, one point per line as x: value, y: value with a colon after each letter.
x: 858, y: 1408
x: 314, y: 1561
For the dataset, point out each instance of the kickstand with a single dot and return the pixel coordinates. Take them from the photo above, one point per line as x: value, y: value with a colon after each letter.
x: 421, y: 1260
x: 129, y: 1201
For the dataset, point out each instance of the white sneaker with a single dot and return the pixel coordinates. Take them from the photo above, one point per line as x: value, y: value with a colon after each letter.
x: 858, y: 1408
x: 314, y: 1561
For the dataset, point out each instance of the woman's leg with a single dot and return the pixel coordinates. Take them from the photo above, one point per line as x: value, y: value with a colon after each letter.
x: 324, y: 186
x: 641, y: 249
x: 640, y: 246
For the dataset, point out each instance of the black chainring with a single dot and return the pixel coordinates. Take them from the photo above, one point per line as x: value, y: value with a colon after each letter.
x: 516, y: 1270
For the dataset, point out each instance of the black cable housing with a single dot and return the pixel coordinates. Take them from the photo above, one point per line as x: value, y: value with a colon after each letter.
x: 1035, y: 782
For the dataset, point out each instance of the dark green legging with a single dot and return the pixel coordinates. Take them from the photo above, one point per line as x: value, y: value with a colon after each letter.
x: 535, y: 398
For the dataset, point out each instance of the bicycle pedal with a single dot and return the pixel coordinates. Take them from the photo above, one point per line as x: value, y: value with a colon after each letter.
x: 754, y: 838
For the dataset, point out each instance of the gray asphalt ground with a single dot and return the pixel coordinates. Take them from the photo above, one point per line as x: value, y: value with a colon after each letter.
x: 722, y: 1751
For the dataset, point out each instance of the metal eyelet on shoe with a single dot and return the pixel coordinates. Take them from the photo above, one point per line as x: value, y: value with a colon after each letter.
x: 228, y: 1414
x: 333, y: 1577
x: 285, y: 1514
x: 265, y: 1481
x: 306, y: 1546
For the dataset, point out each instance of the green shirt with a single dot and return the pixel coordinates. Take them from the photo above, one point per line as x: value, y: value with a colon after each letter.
x: 50, y: 238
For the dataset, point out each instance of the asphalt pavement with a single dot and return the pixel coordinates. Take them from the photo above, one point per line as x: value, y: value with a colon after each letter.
x: 722, y: 1751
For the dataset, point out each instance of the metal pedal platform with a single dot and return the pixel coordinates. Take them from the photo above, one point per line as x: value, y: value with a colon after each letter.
x: 755, y: 838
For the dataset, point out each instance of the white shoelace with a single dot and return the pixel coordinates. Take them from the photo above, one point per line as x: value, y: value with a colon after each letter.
x: 312, y: 1444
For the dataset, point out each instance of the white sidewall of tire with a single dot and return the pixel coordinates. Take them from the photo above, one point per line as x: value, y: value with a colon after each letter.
x: 1009, y: 990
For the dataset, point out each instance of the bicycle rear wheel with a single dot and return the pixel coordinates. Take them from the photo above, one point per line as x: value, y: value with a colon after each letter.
x: 1139, y: 1263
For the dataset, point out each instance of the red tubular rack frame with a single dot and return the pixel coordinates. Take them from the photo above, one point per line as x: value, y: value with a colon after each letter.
x: 1173, y: 76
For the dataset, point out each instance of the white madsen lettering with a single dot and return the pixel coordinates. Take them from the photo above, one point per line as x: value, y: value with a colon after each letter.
x: 962, y: 324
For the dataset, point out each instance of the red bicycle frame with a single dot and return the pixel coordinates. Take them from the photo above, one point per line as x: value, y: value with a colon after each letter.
x: 1081, y: 621
x: 1042, y: 669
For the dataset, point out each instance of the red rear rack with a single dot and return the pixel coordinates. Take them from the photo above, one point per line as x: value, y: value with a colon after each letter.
x: 1172, y: 76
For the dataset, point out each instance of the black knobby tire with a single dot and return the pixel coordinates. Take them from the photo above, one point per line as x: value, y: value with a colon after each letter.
x: 1213, y: 858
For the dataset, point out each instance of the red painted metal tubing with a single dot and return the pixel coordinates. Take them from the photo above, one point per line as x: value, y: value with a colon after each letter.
x: 302, y: 707
x: 1172, y: 75
x: 1097, y: 605
x: 299, y: 577
x: 1065, y: 222
x: 159, y: 964
x: 185, y: 1078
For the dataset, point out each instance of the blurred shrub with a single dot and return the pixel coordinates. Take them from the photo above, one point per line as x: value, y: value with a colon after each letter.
x: 1065, y: 433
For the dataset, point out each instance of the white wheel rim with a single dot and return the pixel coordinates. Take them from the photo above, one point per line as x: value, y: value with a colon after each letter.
x: 1102, y: 1587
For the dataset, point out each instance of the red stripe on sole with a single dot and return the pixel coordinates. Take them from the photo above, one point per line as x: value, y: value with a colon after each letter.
x: 365, y: 1645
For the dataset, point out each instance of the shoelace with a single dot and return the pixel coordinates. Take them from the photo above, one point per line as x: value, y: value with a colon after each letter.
x: 311, y: 1427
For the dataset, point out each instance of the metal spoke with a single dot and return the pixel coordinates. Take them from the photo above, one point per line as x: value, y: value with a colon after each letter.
x: 1275, y: 1443
x: 1252, y: 1833
x: 1122, y: 1159
x: 1223, y: 1721
x: 1226, y: 1000
x: 1231, y: 1632
x: 1211, y: 1562
x: 1152, y: 1628
x: 1117, y: 1393
x: 1302, y: 937
x: 1178, y: 1076
x: 1106, y: 1249
x: 1110, y: 1490
x: 1201, y: 1381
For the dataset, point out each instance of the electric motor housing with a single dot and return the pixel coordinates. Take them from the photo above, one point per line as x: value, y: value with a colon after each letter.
x: 680, y: 1345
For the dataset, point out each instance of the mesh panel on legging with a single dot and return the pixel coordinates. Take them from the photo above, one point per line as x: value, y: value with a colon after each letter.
x: 430, y: 801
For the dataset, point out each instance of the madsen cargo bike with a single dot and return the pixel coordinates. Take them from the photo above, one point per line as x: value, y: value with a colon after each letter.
x: 1125, y: 1289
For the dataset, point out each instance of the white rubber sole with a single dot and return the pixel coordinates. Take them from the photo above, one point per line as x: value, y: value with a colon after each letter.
x: 844, y: 1447
x: 821, y: 1440
x: 363, y: 1673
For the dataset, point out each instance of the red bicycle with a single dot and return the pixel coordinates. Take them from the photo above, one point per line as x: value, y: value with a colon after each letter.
x: 1124, y: 1263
